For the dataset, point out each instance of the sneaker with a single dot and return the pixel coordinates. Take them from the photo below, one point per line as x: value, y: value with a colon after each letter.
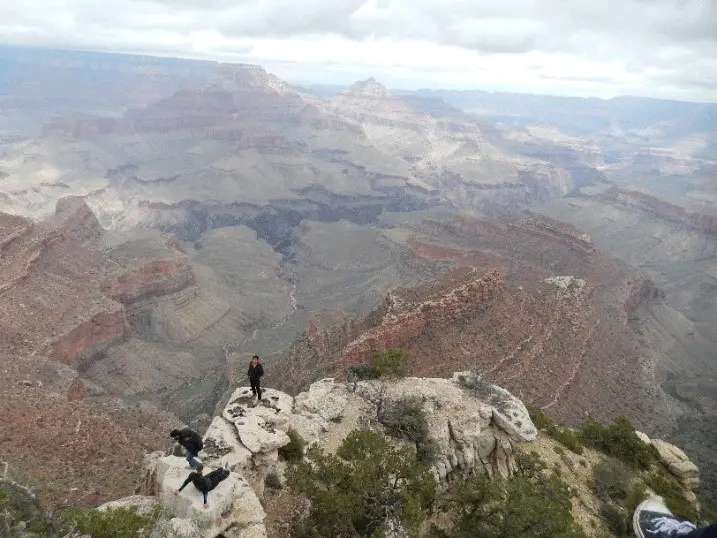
x: 652, y: 519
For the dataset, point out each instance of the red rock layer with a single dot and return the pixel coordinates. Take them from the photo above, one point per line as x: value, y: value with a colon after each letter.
x: 97, y: 334
x: 398, y: 330
x: 158, y: 277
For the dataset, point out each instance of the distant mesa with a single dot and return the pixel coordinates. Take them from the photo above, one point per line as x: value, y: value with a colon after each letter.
x: 369, y: 89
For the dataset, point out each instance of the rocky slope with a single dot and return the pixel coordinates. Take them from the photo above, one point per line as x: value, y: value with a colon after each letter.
x: 472, y: 431
x: 664, y: 239
x: 473, y: 426
x: 530, y: 302
x: 58, y: 318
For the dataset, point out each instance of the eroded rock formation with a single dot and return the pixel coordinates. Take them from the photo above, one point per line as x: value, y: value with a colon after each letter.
x: 474, y: 426
x: 400, y: 327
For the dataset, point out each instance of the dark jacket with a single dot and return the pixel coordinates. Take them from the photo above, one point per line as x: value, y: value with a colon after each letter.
x: 190, y: 440
x: 201, y: 482
x: 206, y: 483
x: 255, y: 372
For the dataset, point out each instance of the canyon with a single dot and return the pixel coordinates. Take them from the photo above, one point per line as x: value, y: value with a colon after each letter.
x: 160, y: 225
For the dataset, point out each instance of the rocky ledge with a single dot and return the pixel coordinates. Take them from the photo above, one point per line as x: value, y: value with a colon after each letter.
x: 473, y: 426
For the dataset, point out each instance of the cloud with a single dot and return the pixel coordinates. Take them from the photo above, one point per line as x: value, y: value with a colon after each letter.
x: 595, y: 47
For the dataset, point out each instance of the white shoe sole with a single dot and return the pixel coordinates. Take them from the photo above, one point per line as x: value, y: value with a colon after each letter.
x: 636, y: 520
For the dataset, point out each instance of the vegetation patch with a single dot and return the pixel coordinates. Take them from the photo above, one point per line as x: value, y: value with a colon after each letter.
x: 531, y: 504
x: 367, y: 487
x: 612, y: 480
x: 272, y: 481
x: 618, y: 440
x: 390, y: 363
x: 114, y: 523
x: 565, y: 436
x: 294, y: 451
x: 405, y: 419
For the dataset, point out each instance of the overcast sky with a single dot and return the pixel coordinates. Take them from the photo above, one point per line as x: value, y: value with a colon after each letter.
x: 660, y: 48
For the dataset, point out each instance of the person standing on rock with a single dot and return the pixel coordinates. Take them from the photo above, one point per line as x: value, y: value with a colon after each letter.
x: 256, y: 370
x: 192, y: 443
x: 203, y: 483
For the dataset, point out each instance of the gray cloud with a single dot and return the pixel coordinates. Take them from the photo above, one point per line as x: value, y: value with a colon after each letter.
x: 657, y: 40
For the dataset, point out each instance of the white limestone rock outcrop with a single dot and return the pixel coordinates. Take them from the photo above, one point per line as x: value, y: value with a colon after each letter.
x: 233, y: 509
x: 141, y: 504
x: 472, y: 425
x: 677, y: 462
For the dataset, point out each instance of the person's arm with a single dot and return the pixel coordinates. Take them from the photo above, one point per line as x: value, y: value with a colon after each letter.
x: 260, y: 369
x: 187, y: 481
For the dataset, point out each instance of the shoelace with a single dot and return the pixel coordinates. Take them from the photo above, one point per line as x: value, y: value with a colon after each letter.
x: 671, y: 527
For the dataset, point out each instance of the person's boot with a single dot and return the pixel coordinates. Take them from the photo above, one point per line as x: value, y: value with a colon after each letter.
x: 652, y: 519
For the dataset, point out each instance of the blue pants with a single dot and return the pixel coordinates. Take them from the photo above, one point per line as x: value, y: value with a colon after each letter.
x: 191, y: 459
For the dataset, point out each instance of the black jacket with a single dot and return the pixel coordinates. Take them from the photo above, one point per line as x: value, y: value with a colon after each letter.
x: 190, y: 440
x: 255, y: 372
x: 206, y: 483
x: 201, y: 482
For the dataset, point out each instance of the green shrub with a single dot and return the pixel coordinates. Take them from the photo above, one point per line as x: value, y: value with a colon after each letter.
x: 616, y: 520
x: 540, y: 418
x: 565, y: 436
x: 533, y: 505
x: 114, y: 523
x: 272, y: 481
x: 389, y: 363
x: 405, y: 419
x: 670, y: 490
x: 367, y: 483
x: 294, y: 451
x: 611, y: 481
x: 426, y: 452
x: 361, y: 372
x: 568, y: 438
x: 530, y: 465
x: 619, y: 441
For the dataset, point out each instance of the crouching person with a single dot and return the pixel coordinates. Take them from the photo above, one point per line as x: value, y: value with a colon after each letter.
x: 204, y: 483
x: 192, y: 443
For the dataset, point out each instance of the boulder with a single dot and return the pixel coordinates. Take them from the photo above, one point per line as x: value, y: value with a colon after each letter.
x: 324, y: 398
x: 142, y: 505
x: 643, y: 437
x: 258, y: 435
x: 233, y: 504
x: 465, y: 420
x: 678, y: 464
x: 223, y: 448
